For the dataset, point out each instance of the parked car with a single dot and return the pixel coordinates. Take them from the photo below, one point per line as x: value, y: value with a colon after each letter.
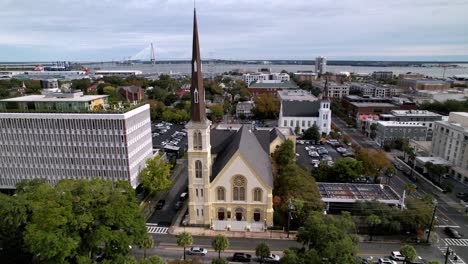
x: 348, y: 154
x: 450, y: 231
x: 241, y: 257
x: 314, y: 154
x: 178, y: 205
x: 315, y: 163
x: 327, y: 158
x: 197, y: 251
x: 322, y: 151
x: 418, y: 260
x: 160, y: 204
x: 273, y: 258
x: 462, y: 194
x: 396, y: 255
x: 386, y: 261
x: 341, y: 150
x: 183, y: 196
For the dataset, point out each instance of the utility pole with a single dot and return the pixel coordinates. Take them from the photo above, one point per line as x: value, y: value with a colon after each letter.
x: 447, y: 253
x: 432, y: 223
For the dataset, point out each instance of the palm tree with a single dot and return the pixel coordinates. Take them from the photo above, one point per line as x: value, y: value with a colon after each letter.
x: 184, y: 240
x: 220, y: 243
x: 410, y: 188
x: 148, y: 242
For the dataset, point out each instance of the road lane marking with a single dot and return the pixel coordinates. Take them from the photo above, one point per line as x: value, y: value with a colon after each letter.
x: 157, y: 229
x: 456, y: 242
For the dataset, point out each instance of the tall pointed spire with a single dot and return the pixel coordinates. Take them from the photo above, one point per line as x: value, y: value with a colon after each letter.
x: 197, y: 90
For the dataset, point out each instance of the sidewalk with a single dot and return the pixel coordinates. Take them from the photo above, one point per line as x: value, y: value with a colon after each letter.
x: 201, y: 231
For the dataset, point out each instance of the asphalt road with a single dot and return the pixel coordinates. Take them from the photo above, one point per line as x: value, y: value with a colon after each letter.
x: 165, y: 216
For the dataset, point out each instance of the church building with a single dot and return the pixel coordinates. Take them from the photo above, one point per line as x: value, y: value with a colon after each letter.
x: 229, y: 170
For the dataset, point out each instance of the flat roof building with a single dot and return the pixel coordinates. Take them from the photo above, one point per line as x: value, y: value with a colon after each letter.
x: 389, y: 131
x: 424, y: 84
x: 49, y: 139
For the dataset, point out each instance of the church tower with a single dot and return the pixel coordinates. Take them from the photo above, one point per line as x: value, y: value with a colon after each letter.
x: 324, y: 111
x: 199, y: 148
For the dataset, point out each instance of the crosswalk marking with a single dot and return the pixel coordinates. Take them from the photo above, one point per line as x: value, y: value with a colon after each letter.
x: 152, y: 229
x: 456, y: 242
x: 450, y: 259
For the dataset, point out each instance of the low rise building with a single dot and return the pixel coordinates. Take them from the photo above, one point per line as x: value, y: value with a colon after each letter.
x: 261, y: 76
x: 382, y: 75
x: 271, y: 86
x: 450, y: 142
x: 335, y: 90
x: 389, y: 131
x: 374, y: 90
x: 120, y: 73
x: 425, y: 96
x: 410, y: 75
x: 424, y: 84
x: 132, y: 93
x: 423, y: 117
x: 244, y: 109
x: 306, y: 75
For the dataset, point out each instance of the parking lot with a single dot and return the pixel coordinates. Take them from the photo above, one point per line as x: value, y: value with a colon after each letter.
x: 164, y: 133
x: 304, y: 160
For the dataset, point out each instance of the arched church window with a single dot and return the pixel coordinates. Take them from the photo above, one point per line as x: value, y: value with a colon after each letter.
x: 257, y: 194
x: 197, y: 140
x: 221, y: 194
x: 239, y: 184
x: 198, y: 169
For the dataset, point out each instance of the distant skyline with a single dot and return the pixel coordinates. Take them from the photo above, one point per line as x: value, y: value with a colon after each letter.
x: 88, y: 30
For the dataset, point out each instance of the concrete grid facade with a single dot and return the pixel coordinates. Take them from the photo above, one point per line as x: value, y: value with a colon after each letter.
x: 57, y: 146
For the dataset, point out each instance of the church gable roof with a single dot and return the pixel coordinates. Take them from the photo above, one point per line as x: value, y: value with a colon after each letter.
x: 300, y: 108
x: 254, y: 154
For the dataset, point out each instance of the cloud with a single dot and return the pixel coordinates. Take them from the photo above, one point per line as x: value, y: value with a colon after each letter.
x: 238, y: 29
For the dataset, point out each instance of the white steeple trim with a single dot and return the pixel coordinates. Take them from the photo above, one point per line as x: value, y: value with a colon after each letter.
x: 195, y: 96
x: 195, y: 66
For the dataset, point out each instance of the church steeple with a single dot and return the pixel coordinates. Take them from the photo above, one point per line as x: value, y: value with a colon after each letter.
x: 197, y: 90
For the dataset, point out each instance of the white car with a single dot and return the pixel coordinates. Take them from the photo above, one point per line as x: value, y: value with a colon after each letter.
x: 315, y: 163
x: 386, y: 261
x: 396, y: 255
x: 314, y: 154
x: 197, y: 251
x: 341, y: 150
x: 273, y: 258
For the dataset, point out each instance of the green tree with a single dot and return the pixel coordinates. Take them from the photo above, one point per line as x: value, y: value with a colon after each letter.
x: 374, y: 162
x: 75, y: 220
x: 373, y: 221
x: 312, y: 133
x: 80, y: 84
x: 217, y: 111
x: 155, y: 176
x: 417, y: 216
x: 152, y: 260
x: 338, y: 247
x: 220, y: 243
x: 409, y: 252
x: 219, y: 261
x: 146, y: 243
x: 184, y: 240
x: 410, y: 188
x: 267, y: 106
x: 284, y: 154
x: 262, y: 251
x: 373, y: 132
x: 435, y: 170
x: 346, y: 170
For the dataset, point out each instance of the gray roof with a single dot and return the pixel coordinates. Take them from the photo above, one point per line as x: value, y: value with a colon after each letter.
x: 250, y: 148
x: 300, y: 108
x: 220, y: 138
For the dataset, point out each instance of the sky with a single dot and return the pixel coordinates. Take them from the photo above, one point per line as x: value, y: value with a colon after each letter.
x: 104, y: 30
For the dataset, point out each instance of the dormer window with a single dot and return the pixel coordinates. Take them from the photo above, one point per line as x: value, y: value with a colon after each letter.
x: 195, y: 96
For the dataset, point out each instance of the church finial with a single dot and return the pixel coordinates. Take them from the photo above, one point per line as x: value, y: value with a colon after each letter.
x: 197, y: 90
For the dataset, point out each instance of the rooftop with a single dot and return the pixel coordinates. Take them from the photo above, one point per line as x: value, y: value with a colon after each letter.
x: 400, y: 124
x: 354, y: 192
x: 56, y: 97
x: 296, y: 95
x: 413, y: 113
x: 426, y: 81
x: 372, y: 104
x: 300, y: 108
x: 286, y: 85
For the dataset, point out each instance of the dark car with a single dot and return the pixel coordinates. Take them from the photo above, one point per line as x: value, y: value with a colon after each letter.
x: 462, y: 195
x: 450, y: 231
x: 241, y: 257
x: 160, y: 204
x: 178, y: 205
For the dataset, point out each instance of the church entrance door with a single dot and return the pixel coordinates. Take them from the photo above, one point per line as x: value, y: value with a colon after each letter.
x: 239, y: 214
x: 220, y: 214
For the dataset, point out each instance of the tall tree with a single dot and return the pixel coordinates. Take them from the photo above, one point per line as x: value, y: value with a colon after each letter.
x: 155, y: 176
x: 184, y: 240
x: 374, y: 162
x: 409, y: 252
x: 284, y: 154
x: 435, y: 170
x: 262, y: 250
x: 220, y: 243
x: 373, y: 221
x: 217, y: 111
x: 312, y: 133
x: 267, y: 106
x: 147, y: 243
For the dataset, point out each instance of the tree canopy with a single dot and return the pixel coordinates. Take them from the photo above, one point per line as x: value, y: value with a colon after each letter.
x: 267, y: 106
x: 184, y: 240
x: 312, y: 133
x: 375, y: 162
x: 220, y: 243
x: 73, y: 221
x: 155, y: 176
x: 262, y: 251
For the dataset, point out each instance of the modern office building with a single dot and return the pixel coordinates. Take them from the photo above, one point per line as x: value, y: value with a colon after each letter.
x: 320, y: 65
x: 389, y: 131
x: 57, y: 136
x: 450, y: 142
